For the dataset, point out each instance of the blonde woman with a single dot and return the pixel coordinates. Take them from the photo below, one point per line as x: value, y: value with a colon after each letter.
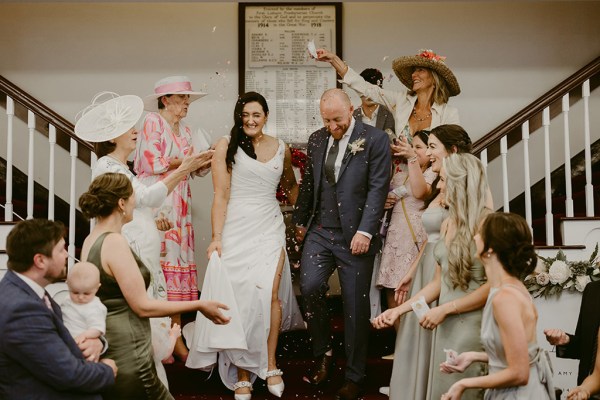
x: 458, y: 282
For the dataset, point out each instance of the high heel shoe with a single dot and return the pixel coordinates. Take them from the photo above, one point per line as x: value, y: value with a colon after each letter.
x: 276, y: 389
x: 239, y: 385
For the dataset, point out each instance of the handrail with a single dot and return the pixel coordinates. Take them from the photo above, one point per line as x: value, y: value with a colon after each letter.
x: 49, y: 116
x: 514, y: 123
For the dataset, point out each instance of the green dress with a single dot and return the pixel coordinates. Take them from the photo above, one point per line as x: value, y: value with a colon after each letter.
x: 457, y: 332
x: 128, y: 336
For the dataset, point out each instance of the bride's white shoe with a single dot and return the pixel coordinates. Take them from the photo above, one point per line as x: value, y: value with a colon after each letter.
x: 276, y: 389
x: 239, y: 385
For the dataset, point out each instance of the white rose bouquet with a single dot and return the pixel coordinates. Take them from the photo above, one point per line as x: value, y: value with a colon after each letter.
x: 556, y: 274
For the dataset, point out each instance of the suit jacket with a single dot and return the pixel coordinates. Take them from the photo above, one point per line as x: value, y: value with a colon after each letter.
x: 385, y: 119
x: 583, y: 344
x: 362, y: 184
x: 38, y: 357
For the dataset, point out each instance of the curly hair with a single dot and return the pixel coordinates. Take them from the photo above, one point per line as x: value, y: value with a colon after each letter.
x: 509, y: 236
x: 238, y: 137
x: 466, y: 192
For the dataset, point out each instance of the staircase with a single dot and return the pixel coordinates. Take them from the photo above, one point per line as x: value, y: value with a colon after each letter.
x: 561, y: 207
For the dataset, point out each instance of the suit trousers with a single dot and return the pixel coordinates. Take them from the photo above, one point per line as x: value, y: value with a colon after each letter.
x: 325, y: 249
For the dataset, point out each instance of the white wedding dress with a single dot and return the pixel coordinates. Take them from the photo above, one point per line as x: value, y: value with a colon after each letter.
x: 253, y: 237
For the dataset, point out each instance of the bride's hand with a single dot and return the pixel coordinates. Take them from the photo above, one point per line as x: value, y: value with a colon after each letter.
x: 215, y: 245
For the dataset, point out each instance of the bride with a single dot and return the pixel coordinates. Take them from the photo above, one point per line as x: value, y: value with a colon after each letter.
x: 248, y: 233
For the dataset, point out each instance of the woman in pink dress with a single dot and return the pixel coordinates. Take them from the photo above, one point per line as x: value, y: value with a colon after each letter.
x: 163, y: 143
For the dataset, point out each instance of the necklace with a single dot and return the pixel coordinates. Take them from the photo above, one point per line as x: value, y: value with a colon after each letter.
x: 414, y: 114
x: 117, y: 160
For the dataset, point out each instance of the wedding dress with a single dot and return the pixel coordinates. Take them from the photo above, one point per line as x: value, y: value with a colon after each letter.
x: 252, y: 240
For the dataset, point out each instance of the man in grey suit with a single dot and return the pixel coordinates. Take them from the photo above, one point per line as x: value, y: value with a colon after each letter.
x: 38, y: 357
x: 338, y: 214
x: 372, y: 113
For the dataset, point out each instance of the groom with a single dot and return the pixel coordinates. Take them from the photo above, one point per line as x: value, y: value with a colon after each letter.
x: 338, y: 214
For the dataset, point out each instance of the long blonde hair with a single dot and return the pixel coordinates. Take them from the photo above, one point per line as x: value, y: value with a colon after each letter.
x: 441, y: 94
x: 466, y: 192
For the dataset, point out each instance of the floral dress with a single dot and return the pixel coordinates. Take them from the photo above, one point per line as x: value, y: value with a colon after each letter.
x: 156, y: 146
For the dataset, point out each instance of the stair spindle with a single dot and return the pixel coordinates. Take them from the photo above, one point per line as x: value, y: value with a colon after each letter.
x: 567, y: 135
x: 589, y: 189
x: 72, y: 202
x: 526, y: 172
x: 52, y: 147
x: 547, y: 180
x: 30, y: 163
x: 504, y: 153
x: 10, y: 113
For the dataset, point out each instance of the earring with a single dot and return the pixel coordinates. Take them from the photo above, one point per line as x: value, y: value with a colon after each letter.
x: 488, y: 254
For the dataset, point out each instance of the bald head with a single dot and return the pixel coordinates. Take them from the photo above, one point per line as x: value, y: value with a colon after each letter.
x: 336, y: 111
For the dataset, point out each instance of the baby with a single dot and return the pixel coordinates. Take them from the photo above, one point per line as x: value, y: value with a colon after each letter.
x: 83, y: 313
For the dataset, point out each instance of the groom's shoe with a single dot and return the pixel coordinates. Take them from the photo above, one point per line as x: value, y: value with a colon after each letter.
x: 349, y: 391
x: 321, y: 371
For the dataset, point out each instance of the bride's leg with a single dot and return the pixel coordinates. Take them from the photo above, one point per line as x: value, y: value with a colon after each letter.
x: 275, y: 322
x: 243, y: 375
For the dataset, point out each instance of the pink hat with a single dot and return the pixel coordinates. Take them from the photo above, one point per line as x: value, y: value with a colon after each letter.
x: 170, y: 85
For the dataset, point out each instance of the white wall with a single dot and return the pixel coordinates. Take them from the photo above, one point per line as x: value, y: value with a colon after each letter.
x: 504, y: 54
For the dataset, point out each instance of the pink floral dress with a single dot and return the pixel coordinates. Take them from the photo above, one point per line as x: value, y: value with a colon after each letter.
x: 400, y: 249
x: 156, y: 146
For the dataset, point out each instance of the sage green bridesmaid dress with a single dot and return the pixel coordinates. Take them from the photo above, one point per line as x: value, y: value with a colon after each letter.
x: 128, y: 336
x: 458, y: 332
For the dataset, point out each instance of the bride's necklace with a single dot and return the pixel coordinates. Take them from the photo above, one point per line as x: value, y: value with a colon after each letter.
x: 414, y: 114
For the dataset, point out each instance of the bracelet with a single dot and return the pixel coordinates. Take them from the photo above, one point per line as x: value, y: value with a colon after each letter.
x: 455, y: 308
x: 412, y: 160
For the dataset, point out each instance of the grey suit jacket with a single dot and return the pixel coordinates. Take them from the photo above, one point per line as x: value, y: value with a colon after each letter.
x: 385, y: 118
x: 38, y: 357
x: 362, y: 184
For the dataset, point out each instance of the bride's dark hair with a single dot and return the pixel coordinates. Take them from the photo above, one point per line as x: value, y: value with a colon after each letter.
x: 238, y: 137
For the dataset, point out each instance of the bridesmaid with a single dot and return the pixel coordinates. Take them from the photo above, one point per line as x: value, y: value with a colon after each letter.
x: 518, y: 367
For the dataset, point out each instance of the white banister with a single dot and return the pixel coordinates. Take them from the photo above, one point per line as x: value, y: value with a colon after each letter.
x: 10, y: 113
x: 567, y: 146
x: 72, y: 199
x: 527, y: 175
x: 52, y: 145
x: 30, y: 163
x: 503, y: 153
x: 547, y: 181
x: 589, y: 189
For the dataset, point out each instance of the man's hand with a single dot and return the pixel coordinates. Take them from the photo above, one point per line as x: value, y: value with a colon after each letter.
x: 300, y: 233
x: 111, y: 364
x: 91, y: 349
x: 359, y: 244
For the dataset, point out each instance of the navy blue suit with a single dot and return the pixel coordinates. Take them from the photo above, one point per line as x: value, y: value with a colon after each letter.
x: 357, y: 197
x: 38, y: 357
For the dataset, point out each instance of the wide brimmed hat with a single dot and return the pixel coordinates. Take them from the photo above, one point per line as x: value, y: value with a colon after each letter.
x: 108, y: 116
x: 171, y: 85
x: 404, y: 67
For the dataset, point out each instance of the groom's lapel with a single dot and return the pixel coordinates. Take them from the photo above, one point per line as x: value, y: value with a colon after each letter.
x: 319, y: 158
x: 358, y: 131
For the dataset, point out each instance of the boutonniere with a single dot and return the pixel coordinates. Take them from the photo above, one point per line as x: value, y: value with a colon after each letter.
x: 356, y: 146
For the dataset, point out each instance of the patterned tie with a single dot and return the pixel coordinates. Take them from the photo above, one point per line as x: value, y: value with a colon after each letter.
x: 330, y: 161
x: 47, y: 301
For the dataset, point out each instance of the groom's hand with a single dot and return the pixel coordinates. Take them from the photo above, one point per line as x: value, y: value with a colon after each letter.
x: 359, y: 244
x: 300, y: 233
